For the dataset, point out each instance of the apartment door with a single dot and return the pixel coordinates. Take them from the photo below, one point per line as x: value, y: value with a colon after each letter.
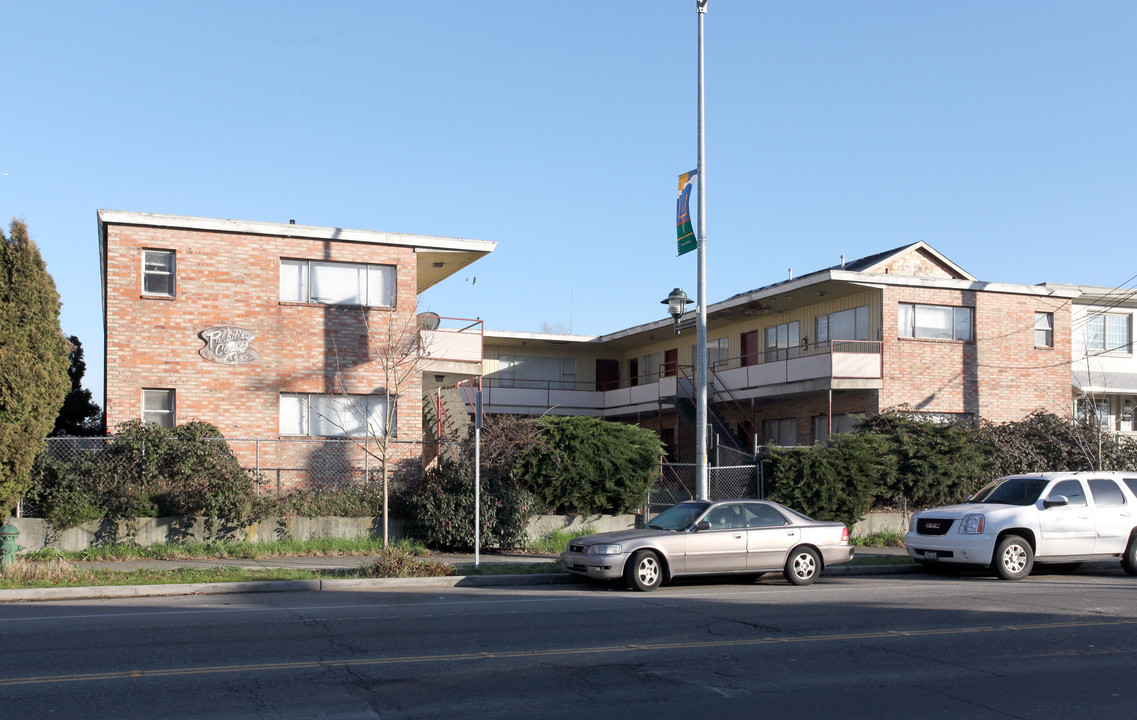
x: 670, y: 362
x: 750, y: 347
x: 607, y: 374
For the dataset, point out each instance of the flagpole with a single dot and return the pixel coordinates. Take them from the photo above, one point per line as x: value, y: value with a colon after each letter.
x: 701, y: 292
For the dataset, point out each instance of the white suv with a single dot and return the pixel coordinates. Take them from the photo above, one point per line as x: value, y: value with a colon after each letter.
x: 1058, y: 517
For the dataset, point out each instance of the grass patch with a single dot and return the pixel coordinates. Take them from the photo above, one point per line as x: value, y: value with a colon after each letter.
x: 555, y: 542
x: 241, y: 549
x: 879, y: 538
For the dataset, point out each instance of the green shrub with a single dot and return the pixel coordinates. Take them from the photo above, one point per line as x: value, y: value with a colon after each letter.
x: 62, y: 492
x: 1043, y: 442
x: 364, y: 500
x: 440, y: 509
x: 934, y: 463
x: 838, y: 481
x: 148, y: 470
x: 587, y: 465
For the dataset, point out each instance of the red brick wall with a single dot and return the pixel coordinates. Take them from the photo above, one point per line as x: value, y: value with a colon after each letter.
x: 233, y: 279
x: 1001, y: 376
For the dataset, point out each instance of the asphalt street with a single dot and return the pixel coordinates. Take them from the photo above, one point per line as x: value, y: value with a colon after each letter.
x: 853, y: 646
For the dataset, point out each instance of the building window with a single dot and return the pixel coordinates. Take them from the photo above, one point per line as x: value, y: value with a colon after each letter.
x: 1108, y: 333
x: 782, y: 341
x: 1095, y: 412
x: 649, y: 367
x: 523, y: 371
x: 844, y: 325
x: 841, y: 424
x: 780, y: 432
x: 334, y: 415
x: 158, y: 407
x: 936, y: 322
x: 158, y: 272
x: 1043, y: 329
x: 718, y: 353
x: 337, y: 283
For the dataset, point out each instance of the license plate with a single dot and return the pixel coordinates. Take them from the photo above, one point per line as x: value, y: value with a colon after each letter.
x: 568, y: 562
x: 928, y: 555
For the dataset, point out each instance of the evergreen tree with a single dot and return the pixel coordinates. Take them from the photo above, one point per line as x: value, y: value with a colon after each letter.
x: 79, y: 415
x: 33, y: 360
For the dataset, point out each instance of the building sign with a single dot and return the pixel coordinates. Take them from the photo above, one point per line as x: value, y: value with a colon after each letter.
x: 228, y: 345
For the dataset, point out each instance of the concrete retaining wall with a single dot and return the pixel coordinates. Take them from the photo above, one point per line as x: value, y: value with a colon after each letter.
x: 37, y: 534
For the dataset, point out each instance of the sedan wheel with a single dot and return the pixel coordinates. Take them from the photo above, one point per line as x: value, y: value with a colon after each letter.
x: 644, y: 571
x: 802, y: 566
x: 1013, y: 558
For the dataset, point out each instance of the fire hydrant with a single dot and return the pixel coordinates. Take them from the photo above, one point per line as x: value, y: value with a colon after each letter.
x: 8, y: 547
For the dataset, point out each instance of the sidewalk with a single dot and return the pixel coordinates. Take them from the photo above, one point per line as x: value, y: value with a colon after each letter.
x: 334, y: 563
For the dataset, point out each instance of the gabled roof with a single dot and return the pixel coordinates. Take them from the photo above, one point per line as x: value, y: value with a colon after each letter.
x: 880, y: 264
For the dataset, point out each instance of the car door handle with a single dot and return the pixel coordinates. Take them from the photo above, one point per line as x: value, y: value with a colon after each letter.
x: 738, y: 536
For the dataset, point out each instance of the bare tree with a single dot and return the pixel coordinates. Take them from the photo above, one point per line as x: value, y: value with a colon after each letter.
x: 390, y: 348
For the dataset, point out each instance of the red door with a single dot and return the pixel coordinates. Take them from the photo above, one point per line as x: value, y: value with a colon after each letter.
x: 607, y: 374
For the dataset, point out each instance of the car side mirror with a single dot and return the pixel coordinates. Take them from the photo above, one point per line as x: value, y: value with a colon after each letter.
x: 1056, y: 501
x: 702, y: 525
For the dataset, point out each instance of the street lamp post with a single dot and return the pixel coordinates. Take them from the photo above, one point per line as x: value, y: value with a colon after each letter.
x: 701, y: 291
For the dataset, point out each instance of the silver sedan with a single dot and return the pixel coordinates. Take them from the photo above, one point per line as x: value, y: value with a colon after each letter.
x: 699, y: 537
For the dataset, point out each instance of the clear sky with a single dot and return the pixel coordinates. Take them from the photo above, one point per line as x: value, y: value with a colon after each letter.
x: 1002, y: 133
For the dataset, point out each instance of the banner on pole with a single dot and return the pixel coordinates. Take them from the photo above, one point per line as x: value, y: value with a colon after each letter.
x: 687, y: 240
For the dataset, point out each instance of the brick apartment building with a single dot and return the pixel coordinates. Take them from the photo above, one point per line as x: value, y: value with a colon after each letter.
x: 267, y: 330
x: 259, y: 329
x: 794, y: 361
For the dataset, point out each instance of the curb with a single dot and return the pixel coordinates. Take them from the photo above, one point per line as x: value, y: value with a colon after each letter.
x: 267, y: 586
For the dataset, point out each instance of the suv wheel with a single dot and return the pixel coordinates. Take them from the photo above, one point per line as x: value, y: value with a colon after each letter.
x: 1013, y: 558
x: 1129, y: 557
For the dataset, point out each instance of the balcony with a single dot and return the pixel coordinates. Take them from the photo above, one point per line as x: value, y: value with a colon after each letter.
x: 450, y: 346
x: 836, y: 365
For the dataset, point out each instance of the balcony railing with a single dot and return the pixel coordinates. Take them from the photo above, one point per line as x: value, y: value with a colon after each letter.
x: 833, y: 361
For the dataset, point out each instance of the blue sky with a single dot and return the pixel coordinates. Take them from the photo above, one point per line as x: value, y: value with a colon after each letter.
x: 1002, y: 133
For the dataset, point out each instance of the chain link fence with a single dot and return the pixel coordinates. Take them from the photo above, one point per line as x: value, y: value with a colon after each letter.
x: 277, y: 466
x: 677, y: 483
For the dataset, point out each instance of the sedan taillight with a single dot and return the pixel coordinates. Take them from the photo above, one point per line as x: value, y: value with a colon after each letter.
x: 845, y: 535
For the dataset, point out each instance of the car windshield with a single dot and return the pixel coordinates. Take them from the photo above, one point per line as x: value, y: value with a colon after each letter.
x: 679, y: 517
x: 1011, y: 491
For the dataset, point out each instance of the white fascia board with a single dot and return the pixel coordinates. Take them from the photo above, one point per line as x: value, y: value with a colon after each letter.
x: 881, y: 281
x: 538, y: 337
x: 312, y: 232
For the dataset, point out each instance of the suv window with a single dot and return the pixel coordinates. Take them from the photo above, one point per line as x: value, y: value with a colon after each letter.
x: 1106, y: 493
x: 1132, y: 483
x: 1072, y: 489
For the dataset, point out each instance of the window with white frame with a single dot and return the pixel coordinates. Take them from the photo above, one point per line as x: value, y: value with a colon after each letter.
x: 1095, y: 411
x: 780, y: 339
x: 850, y: 324
x: 1108, y: 333
x: 1043, y: 329
x: 158, y: 272
x: 718, y: 353
x: 158, y: 406
x: 526, y: 371
x: 323, y: 415
x: 780, y: 432
x: 337, y: 283
x: 936, y: 322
